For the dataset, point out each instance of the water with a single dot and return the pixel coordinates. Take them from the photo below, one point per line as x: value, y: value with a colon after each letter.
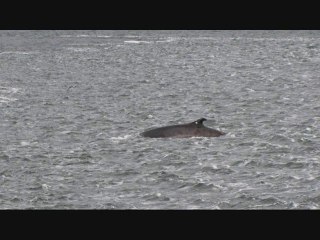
x: 72, y: 105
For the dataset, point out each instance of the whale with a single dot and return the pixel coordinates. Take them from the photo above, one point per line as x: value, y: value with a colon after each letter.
x: 193, y: 129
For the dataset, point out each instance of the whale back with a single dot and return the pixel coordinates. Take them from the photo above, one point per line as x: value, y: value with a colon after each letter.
x: 193, y: 129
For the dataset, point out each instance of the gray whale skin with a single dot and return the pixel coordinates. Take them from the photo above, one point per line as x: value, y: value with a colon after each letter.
x: 193, y: 129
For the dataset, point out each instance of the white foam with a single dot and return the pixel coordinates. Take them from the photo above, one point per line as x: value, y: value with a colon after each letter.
x: 166, y: 41
x: 172, y: 39
x: 45, y: 186
x: 65, y: 132
x: 18, y: 52
x: 84, y: 44
x: 5, y: 91
x: 85, y: 36
x: 214, y: 166
x: 120, y: 138
x: 24, y: 143
x: 250, y: 90
x: 314, y: 207
x: 103, y: 36
x: 134, y: 41
x: 303, y: 39
x: 14, y: 90
x: 6, y: 99
x: 81, y: 49
x: 219, y: 186
x: 8, y: 90
x: 215, y: 207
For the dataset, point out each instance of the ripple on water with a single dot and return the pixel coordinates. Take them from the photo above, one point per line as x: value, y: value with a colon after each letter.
x: 71, y: 115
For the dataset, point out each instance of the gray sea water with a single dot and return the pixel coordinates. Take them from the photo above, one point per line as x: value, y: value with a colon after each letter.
x: 72, y: 105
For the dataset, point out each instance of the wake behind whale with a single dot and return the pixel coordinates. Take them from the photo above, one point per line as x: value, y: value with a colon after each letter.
x: 193, y: 129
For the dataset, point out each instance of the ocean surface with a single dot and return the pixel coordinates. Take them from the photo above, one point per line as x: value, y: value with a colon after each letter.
x: 73, y: 103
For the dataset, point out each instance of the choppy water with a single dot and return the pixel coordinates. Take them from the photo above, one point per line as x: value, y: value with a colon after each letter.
x: 72, y: 105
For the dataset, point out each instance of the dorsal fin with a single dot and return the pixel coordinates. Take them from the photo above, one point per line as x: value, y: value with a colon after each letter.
x: 200, y: 121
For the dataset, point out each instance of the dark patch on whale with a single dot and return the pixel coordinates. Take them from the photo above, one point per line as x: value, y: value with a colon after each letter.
x: 193, y: 129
